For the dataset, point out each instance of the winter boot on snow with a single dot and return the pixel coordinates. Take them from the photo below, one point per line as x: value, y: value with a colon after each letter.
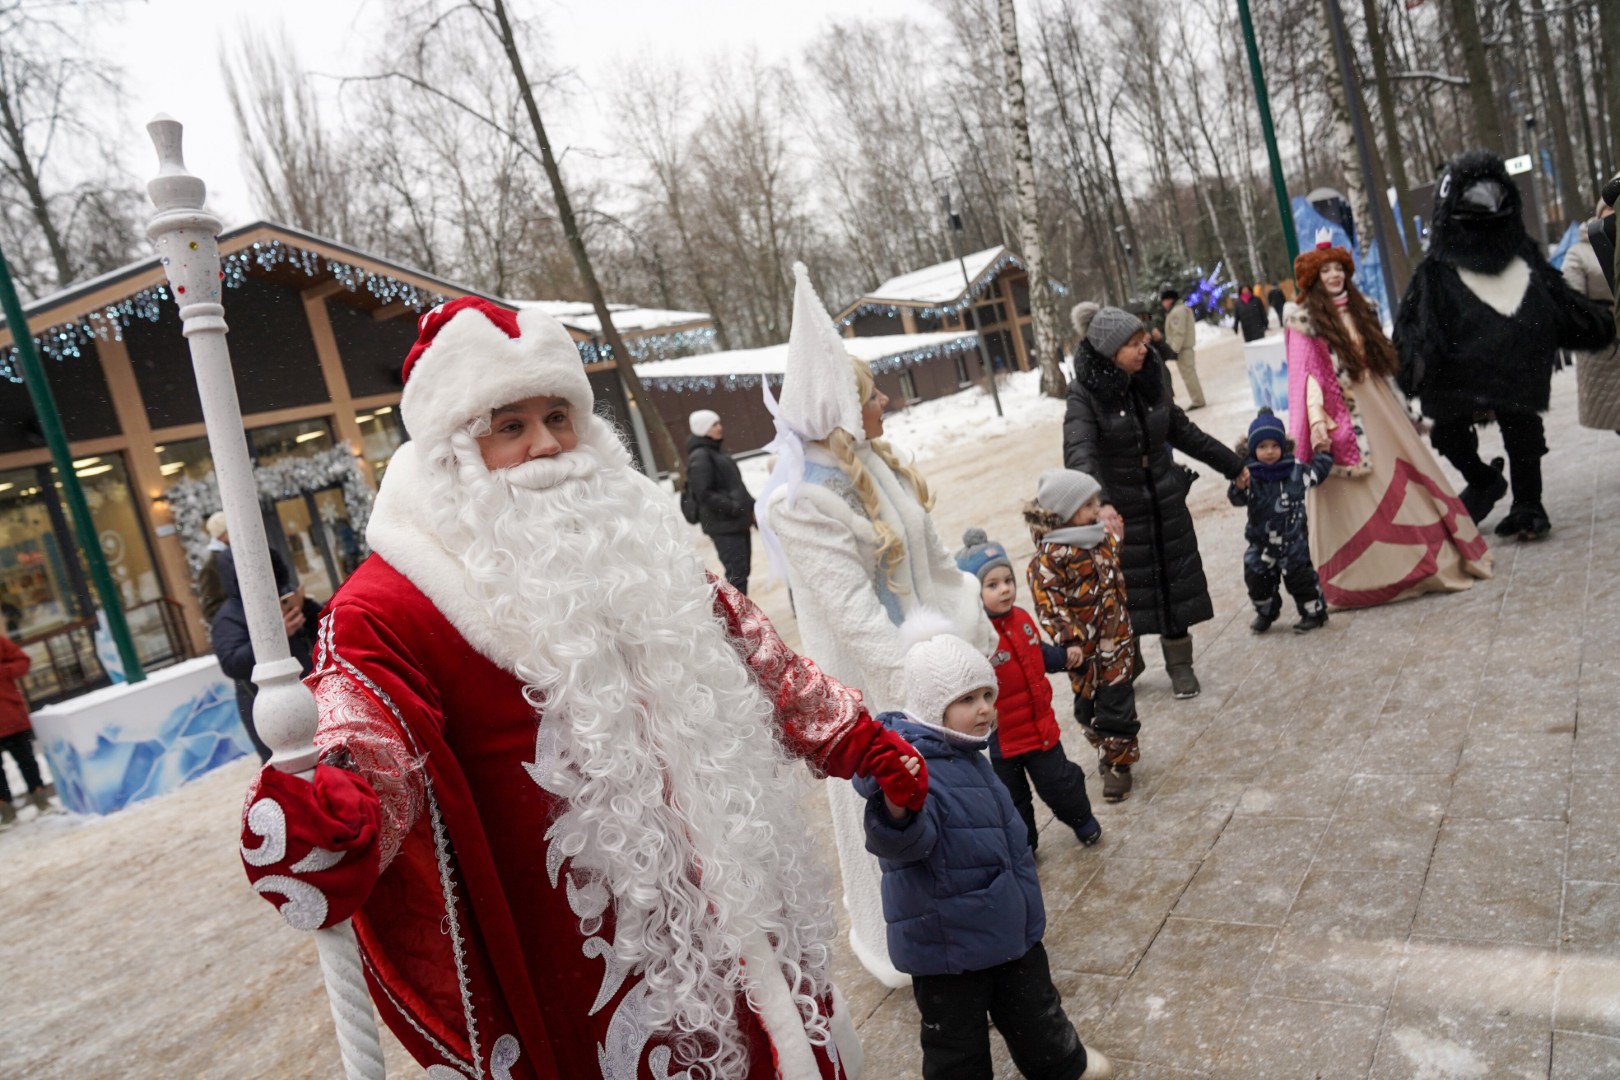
x: 1262, y: 622
x: 1178, y: 661
x: 1528, y: 522
x: 1314, y: 621
x: 1478, y: 501
x: 8, y: 813
x: 40, y: 799
x: 1116, y: 784
x: 1089, y: 833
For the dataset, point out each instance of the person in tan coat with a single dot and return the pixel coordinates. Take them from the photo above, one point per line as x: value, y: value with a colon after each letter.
x: 1597, y: 374
x: 16, y: 733
x: 1181, y: 334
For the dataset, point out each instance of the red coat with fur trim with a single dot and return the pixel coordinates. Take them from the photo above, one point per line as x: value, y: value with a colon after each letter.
x: 1025, y: 721
x: 473, y: 947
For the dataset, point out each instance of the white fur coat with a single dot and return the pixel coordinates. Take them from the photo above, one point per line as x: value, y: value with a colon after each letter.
x: 831, y: 550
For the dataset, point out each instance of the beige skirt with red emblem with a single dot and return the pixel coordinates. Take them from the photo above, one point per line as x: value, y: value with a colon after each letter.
x: 1399, y: 531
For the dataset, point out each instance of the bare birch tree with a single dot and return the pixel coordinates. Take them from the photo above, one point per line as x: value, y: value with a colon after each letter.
x: 1042, y: 317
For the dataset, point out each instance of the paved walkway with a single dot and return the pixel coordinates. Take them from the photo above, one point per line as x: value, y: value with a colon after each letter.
x: 1387, y: 849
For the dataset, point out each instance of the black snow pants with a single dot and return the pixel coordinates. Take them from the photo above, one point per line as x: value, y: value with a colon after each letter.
x: 21, y: 748
x: 1026, y: 1007
x: 1300, y: 580
x: 1524, y: 439
x: 737, y: 556
x: 1059, y: 782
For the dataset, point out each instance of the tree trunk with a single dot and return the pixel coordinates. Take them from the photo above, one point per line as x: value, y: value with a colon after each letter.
x: 1344, y: 142
x: 1043, y: 318
x: 623, y: 361
x: 1569, y: 188
x: 38, y: 206
x: 1609, y: 20
x: 1487, y: 120
x: 1572, y: 52
x: 1395, y: 158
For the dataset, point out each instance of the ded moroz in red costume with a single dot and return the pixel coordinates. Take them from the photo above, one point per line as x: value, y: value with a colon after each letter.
x: 552, y: 758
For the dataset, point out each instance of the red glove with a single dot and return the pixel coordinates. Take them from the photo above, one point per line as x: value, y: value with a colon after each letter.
x: 882, y: 763
x: 312, y: 844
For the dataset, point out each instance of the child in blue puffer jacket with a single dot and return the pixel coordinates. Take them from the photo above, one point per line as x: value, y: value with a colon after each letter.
x: 1279, y: 551
x: 960, y: 895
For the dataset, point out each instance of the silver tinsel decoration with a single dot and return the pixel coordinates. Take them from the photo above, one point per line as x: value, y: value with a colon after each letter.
x: 192, y: 501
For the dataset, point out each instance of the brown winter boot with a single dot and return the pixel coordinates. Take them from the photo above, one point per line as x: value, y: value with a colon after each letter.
x: 8, y: 813
x: 1116, y: 782
x: 1178, y: 661
x: 41, y: 800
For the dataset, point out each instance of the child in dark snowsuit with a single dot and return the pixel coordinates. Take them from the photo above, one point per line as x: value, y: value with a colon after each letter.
x: 1078, y: 589
x: 960, y: 894
x: 1279, y: 544
x: 1025, y: 748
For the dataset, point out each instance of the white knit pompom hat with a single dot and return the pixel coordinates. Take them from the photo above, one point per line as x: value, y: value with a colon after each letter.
x: 818, y: 384
x: 939, y: 666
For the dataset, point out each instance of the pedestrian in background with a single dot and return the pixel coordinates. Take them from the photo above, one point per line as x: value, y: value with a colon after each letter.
x: 210, y: 594
x: 1588, y: 269
x: 1181, y: 338
x: 233, y: 646
x: 1278, y: 300
x: 725, y: 507
x: 17, y: 734
x: 1252, y: 319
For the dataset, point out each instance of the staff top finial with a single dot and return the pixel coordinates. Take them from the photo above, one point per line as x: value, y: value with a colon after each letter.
x: 173, y: 188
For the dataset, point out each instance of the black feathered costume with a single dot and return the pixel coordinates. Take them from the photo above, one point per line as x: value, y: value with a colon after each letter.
x: 1478, y: 335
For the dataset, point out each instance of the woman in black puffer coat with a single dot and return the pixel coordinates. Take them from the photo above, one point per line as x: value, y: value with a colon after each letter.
x: 1120, y: 426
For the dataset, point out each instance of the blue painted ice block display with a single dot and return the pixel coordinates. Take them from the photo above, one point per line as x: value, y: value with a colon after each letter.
x: 129, y: 742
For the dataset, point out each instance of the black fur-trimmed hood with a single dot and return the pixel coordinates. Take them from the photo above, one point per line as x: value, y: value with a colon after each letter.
x: 1108, y: 383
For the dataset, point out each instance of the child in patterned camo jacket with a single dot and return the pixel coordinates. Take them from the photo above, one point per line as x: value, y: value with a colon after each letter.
x: 1078, y: 590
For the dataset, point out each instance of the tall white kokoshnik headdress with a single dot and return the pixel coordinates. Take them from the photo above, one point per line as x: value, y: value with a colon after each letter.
x: 818, y: 397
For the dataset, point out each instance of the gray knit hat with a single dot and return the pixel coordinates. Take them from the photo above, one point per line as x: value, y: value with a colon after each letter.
x: 1110, y: 329
x: 1063, y: 491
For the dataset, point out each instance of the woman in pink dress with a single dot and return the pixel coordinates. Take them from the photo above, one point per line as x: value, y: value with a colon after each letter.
x: 1386, y: 525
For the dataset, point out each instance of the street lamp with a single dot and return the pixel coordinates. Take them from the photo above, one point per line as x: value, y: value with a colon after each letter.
x: 969, y: 311
x: 1535, y: 177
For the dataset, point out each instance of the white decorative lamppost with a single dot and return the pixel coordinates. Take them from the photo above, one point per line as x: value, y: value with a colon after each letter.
x: 284, y: 712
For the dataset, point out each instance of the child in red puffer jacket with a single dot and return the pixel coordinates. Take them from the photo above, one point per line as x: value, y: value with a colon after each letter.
x: 1025, y: 748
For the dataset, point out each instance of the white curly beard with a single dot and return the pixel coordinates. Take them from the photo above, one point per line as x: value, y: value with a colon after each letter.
x: 654, y: 734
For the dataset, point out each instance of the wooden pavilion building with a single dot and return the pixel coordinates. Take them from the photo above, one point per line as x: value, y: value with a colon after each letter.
x: 318, y: 332
x: 936, y: 298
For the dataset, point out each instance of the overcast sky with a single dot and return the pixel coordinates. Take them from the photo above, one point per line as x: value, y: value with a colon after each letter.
x: 168, y: 50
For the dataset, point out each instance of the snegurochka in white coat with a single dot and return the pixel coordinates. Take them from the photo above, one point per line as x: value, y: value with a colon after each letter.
x: 846, y: 522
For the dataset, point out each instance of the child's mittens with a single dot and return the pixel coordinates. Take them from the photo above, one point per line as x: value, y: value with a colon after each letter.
x: 883, y: 763
x: 1075, y: 656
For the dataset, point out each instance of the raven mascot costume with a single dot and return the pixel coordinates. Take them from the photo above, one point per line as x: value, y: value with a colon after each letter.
x: 1478, y: 337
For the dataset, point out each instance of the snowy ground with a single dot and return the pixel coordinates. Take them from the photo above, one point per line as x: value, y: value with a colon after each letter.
x: 1383, y: 850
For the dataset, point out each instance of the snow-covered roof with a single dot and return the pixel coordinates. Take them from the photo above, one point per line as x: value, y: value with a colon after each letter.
x: 627, y: 318
x: 772, y: 359
x: 937, y: 284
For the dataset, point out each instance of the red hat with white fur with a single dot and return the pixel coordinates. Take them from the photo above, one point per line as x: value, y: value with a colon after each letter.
x: 472, y: 356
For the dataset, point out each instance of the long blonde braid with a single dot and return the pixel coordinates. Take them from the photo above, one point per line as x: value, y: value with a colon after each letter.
x: 841, y: 443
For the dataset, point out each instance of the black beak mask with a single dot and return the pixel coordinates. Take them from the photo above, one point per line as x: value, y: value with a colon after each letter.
x: 1482, y: 200
x: 1477, y: 222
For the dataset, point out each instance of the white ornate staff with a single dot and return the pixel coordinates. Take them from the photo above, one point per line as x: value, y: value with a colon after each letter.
x: 284, y: 712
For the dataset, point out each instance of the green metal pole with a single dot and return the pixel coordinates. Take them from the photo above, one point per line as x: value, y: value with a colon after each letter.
x: 1278, y: 185
x: 50, y: 422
